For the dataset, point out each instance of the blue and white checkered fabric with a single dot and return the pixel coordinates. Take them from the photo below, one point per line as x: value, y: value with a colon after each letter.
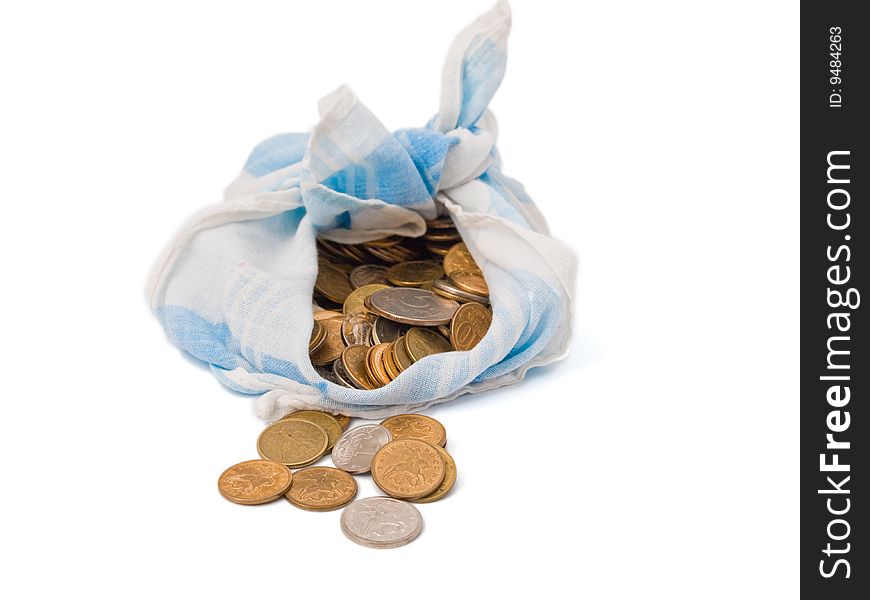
x: 234, y: 288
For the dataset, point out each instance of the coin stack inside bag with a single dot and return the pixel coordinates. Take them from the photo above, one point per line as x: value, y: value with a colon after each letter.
x: 404, y: 453
x: 384, y: 304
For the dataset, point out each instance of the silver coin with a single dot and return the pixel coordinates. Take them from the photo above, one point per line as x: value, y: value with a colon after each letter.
x: 412, y: 306
x: 366, y: 274
x: 341, y: 374
x: 353, y: 452
x: 357, y: 327
x: 443, y: 284
x: 385, y: 331
x: 381, y: 522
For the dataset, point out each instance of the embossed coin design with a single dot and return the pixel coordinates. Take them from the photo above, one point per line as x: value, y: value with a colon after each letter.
x: 412, y: 306
x: 458, y: 258
x: 449, y: 478
x: 321, y: 488
x: 354, y: 450
x: 366, y: 274
x: 421, y: 342
x: 407, y: 469
x: 327, y: 421
x: 416, y: 427
x: 381, y: 522
x: 414, y: 273
x: 254, y: 482
x: 473, y: 283
x: 469, y: 325
x: 292, y: 442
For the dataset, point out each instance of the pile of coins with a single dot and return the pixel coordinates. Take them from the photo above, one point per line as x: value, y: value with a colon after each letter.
x: 387, y: 303
x: 405, y: 455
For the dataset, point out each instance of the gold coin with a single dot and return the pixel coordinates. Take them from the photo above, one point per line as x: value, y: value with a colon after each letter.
x: 292, y: 442
x: 420, y: 342
x: 390, y: 365
x: 458, y: 258
x: 400, y: 354
x: 416, y: 427
x: 332, y: 346
x: 321, y: 488
x: 407, y: 469
x: 357, y: 327
x: 446, y: 485
x: 473, y: 283
x: 327, y: 421
x: 322, y: 315
x: 354, y: 360
x: 366, y: 274
x: 356, y: 298
x: 318, y: 334
x: 440, y: 223
x: 343, y: 420
x: 332, y: 283
x: 450, y: 291
x: 438, y: 249
x: 375, y: 364
x: 254, y: 482
x: 414, y: 273
x: 469, y: 325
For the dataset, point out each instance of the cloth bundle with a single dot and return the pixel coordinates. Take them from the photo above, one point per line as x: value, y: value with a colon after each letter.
x: 234, y: 287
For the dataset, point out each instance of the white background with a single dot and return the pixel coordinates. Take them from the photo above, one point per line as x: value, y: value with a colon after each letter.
x: 659, y: 460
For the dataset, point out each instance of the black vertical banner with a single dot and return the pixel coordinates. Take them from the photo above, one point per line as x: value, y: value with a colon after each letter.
x: 835, y: 370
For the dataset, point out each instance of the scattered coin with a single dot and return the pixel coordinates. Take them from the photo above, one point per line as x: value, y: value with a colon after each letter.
x: 343, y: 420
x: 292, y: 442
x: 407, y: 469
x: 321, y: 488
x: 325, y: 420
x: 449, y: 478
x: 254, y: 482
x: 416, y: 427
x: 354, y: 450
x: 381, y: 522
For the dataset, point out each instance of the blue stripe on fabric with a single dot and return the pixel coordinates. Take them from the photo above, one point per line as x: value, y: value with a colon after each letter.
x: 199, y: 337
x: 482, y: 72
x: 276, y: 153
x: 427, y: 149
